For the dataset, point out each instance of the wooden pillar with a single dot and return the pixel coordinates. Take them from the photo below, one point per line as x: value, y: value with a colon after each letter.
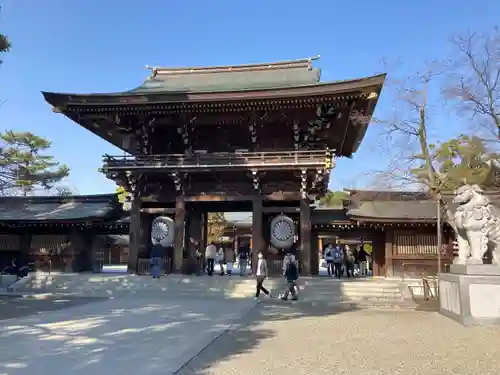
x: 25, y: 247
x: 97, y: 252
x: 389, y: 269
x: 134, y: 235
x: 236, y: 243
x: 85, y: 261
x: 257, y: 230
x: 204, y: 242
x: 314, y: 253
x: 145, y: 236
x: 378, y: 253
x: 180, y: 216
x: 305, y: 237
x: 77, y: 241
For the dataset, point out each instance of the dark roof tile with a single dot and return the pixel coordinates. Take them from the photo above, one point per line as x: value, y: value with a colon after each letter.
x: 401, y: 210
x: 56, y: 208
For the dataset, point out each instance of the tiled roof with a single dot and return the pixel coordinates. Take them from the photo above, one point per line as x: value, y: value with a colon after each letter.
x: 327, y: 216
x: 401, y: 210
x: 386, y: 195
x: 56, y: 208
x: 231, y: 78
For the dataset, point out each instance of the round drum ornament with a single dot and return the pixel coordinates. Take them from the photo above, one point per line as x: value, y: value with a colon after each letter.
x: 282, y: 232
x: 162, y: 231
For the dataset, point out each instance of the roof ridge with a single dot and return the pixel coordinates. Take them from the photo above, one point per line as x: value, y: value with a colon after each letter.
x: 299, y: 63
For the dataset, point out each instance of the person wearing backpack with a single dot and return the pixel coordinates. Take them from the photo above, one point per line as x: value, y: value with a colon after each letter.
x: 291, y: 275
x: 338, y: 260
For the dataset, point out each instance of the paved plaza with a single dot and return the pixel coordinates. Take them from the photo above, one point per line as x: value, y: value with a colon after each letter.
x: 279, y: 339
x: 184, y: 336
x: 115, y: 337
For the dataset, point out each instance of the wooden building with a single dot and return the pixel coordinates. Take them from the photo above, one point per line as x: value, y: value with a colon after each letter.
x: 85, y: 233
x: 68, y: 234
x: 259, y: 138
x: 401, y: 228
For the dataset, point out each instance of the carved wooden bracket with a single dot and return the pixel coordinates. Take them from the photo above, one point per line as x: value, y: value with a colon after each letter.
x: 256, y: 180
x: 303, y: 183
x: 325, y: 114
x: 184, y: 129
x: 318, y: 177
x: 179, y: 180
x: 133, y: 184
x: 296, y: 134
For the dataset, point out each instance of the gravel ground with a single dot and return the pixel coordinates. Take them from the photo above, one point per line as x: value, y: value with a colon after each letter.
x: 19, y: 306
x: 283, y: 339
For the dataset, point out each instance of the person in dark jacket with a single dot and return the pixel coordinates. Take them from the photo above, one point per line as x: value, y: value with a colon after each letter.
x: 338, y: 260
x: 243, y: 255
x: 362, y: 260
x: 291, y: 275
x: 157, y: 253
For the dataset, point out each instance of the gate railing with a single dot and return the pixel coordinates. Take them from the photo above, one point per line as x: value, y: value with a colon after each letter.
x: 277, y: 159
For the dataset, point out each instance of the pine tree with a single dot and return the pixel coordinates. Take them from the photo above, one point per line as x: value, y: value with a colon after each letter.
x: 457, y: 161
x: 215, y: 227
x: 4, y: 43
x: 333, y: 199
x: 24, y: 165
x: 121, y: 194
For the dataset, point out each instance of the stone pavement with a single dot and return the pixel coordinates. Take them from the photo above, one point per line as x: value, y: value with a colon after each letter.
x: 297, y: 339
x: 124, y: 336
x: 16, y: 306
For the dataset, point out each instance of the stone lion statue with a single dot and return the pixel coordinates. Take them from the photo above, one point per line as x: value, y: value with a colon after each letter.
x: 477, y: 222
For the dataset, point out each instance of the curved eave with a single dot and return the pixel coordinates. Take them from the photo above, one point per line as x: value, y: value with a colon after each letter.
x: 366, y: 85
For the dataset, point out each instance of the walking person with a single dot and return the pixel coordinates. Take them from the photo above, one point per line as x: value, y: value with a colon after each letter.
x: 287, y: 258
x: 156, y: 260
x: 220, y: 260
x: 362, y: 261
x: 210, y: 254
x: 338, y: 260
x: 260, y: 275
x: 229, y: 257
x: 291, y: 275
x: 349, y: 261
x: 199, y: 259
x: 243, y: 254
x: 329, y: 259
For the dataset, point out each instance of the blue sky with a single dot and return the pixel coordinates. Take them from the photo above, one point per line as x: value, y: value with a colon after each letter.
x: 85, y: 46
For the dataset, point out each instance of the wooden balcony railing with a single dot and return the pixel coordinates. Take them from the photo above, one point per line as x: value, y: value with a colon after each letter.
x: 236, y: 160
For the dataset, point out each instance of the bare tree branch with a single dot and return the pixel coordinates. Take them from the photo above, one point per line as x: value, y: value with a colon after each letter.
x: 407, y: 138
x: 474, y: 79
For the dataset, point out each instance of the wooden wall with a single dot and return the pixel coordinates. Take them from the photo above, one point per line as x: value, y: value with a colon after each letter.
x: 413, y: 253
x: 59, y: 248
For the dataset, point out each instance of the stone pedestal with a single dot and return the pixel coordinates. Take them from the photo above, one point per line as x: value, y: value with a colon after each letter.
x: 470, y: 294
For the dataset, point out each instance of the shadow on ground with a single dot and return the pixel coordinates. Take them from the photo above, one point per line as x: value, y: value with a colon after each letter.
x: 22, y: 306
x: 429, y: 305
x: 136, y: 335
x: 246, y: 335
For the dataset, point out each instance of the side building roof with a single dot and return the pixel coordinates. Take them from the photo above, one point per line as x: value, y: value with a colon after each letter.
x: 57, y: 208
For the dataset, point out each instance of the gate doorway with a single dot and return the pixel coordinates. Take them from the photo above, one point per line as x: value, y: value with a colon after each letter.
x: 356, y: 245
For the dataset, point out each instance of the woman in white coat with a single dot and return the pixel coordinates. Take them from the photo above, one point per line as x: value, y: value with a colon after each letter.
x: 261, y: 274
